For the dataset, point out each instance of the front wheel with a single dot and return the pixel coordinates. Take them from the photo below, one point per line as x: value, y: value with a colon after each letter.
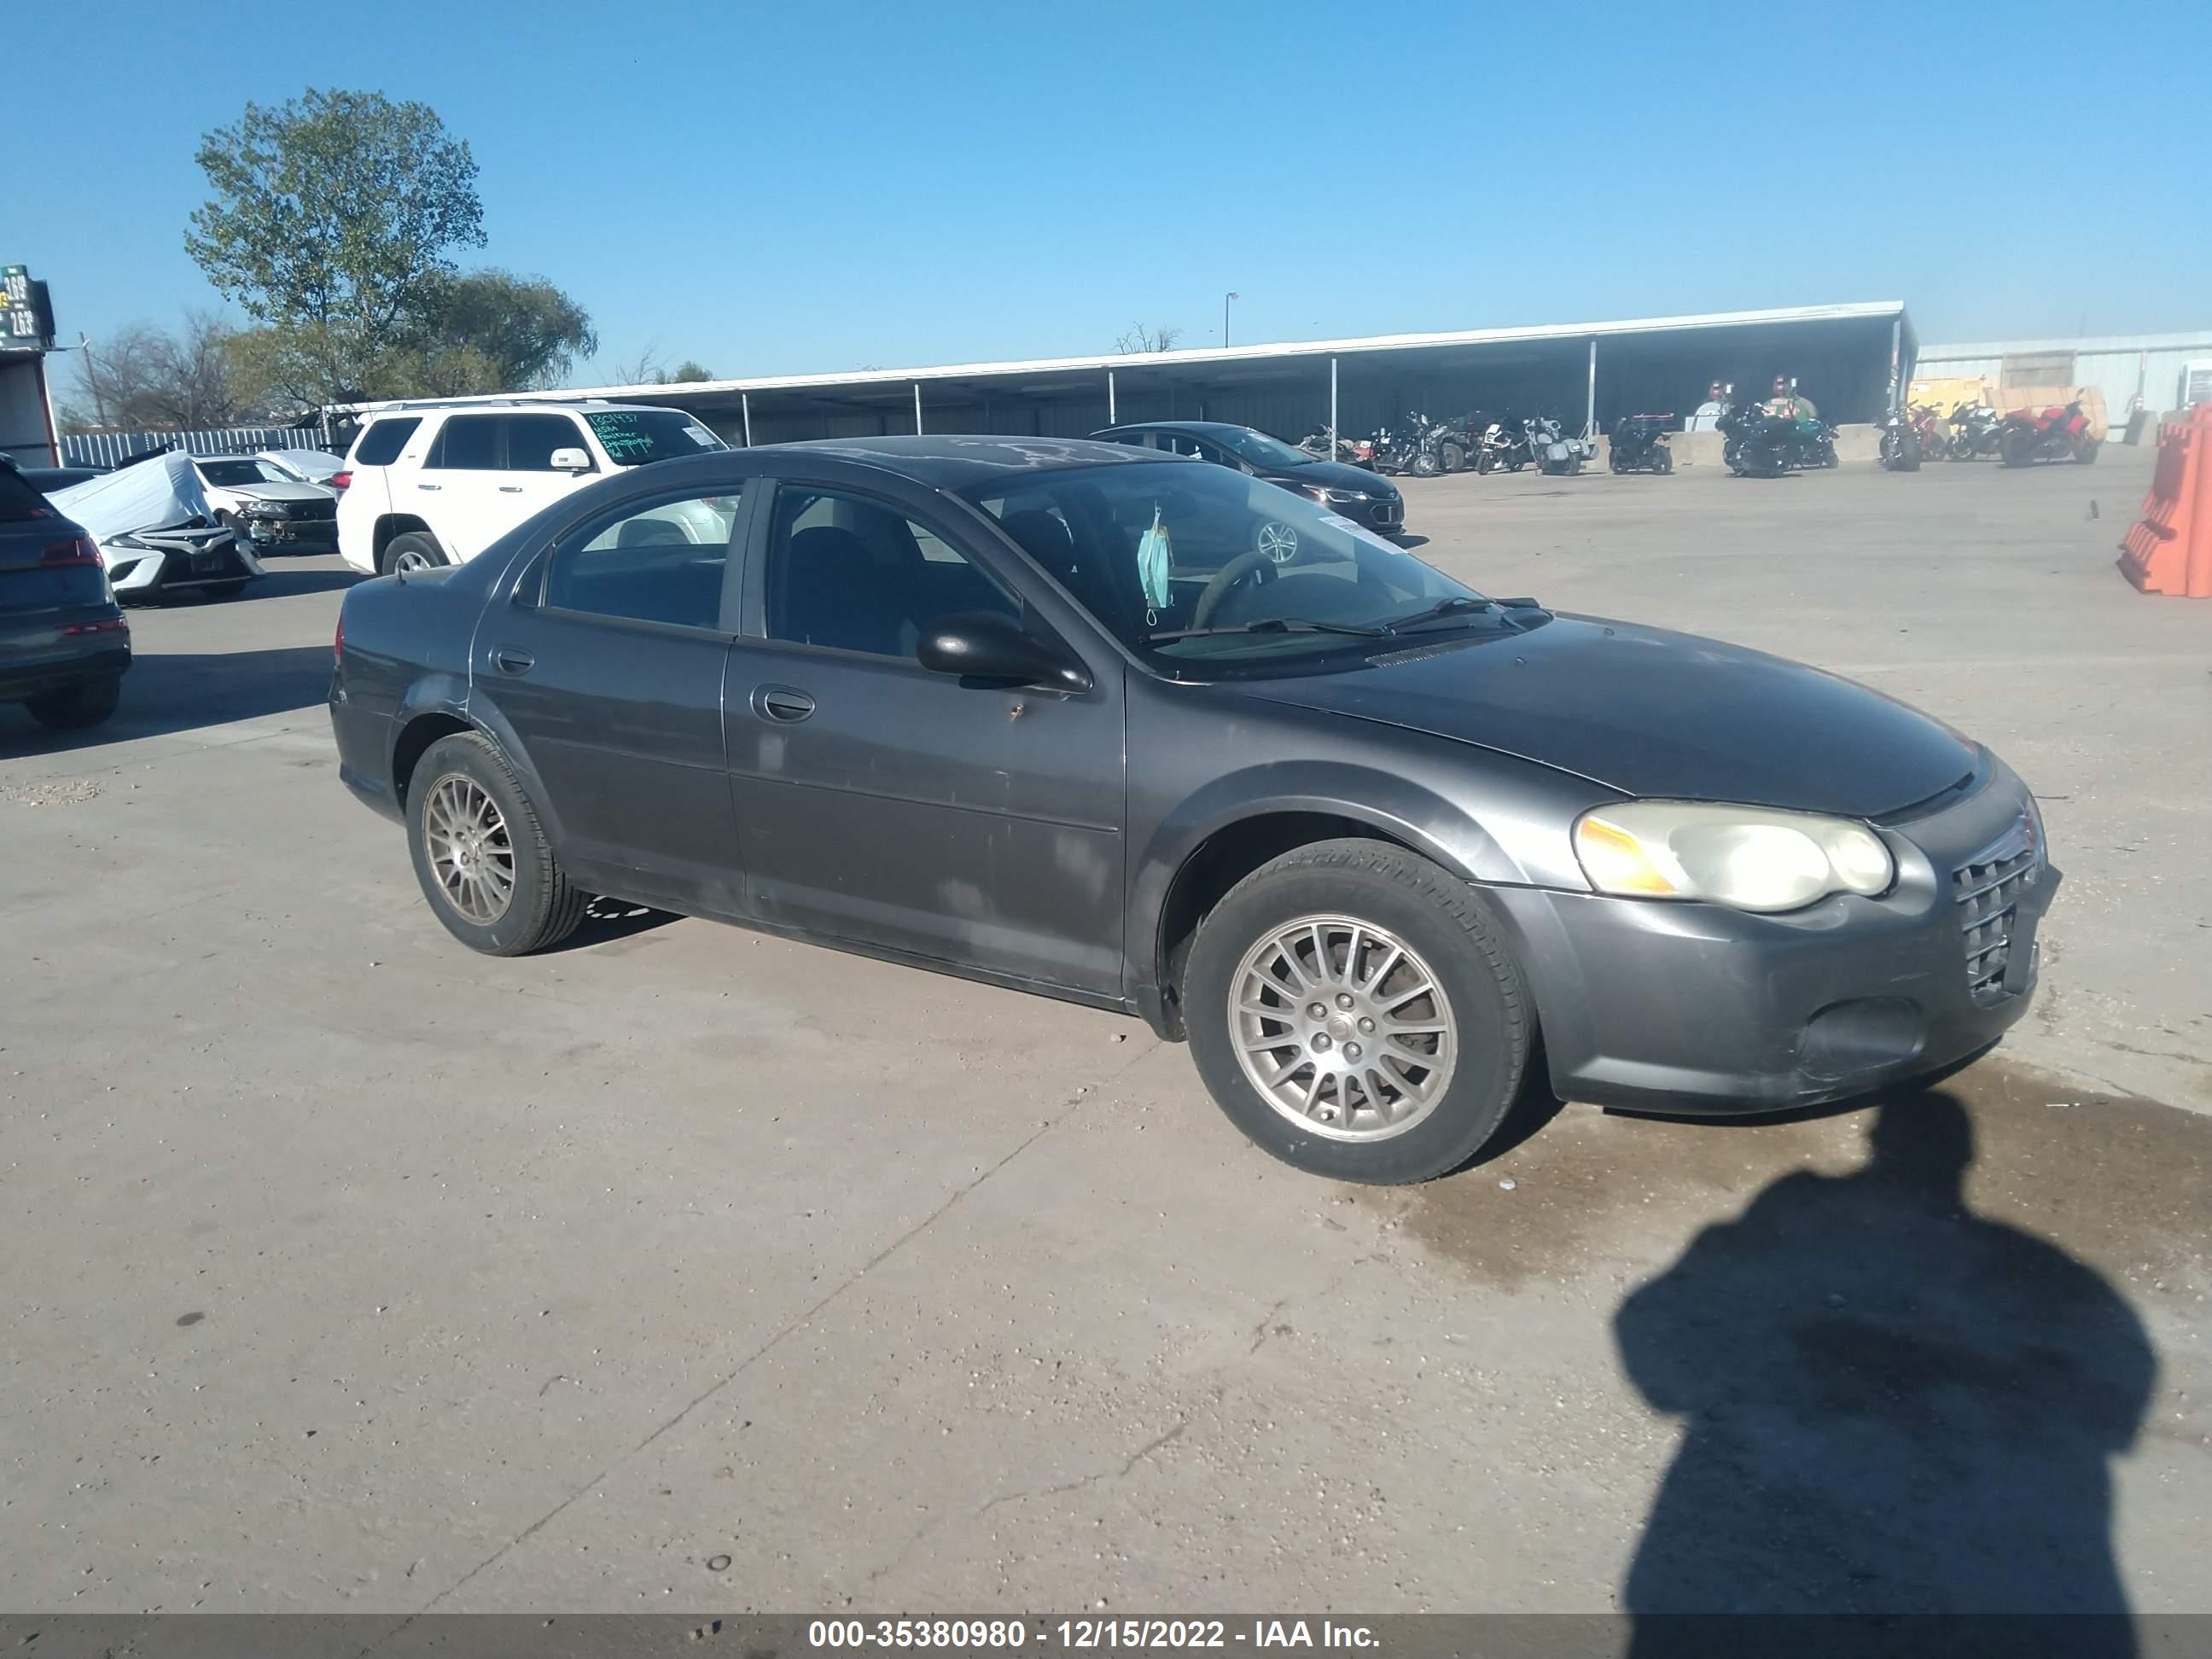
x: 79, y: 706
x: 1664, y: 461
x: 481, y: 854
x: 2016, y: 448
x: 1354, y: 1010
x: 1425, y: 465
x: 2086, y: 451
x: 416, y: 551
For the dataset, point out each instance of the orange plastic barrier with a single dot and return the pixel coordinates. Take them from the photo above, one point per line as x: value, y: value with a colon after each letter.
x: 2170, y: 548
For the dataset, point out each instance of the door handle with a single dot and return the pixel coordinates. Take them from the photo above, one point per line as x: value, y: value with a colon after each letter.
x: 424, y: 486
x: 510, y: 490
x: 785, y: 704
x: 512, y: 661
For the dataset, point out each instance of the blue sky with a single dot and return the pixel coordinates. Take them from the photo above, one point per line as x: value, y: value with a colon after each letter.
x: 811, y: 187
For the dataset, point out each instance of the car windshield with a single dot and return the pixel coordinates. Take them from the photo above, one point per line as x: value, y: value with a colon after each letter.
x: 231, y: 475
x: 1156, y: 550
x: 1260, y: 449
x: 632, y: 437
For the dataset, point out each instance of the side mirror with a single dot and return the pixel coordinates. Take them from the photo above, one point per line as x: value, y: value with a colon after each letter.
x: 981, y: 645
x: 569, y: 459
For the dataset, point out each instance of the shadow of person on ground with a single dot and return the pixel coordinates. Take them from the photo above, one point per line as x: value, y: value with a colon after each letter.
x: 181, y: 691
x: 1890, y: 1405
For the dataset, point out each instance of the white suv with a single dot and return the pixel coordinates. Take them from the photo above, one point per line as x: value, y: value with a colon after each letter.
x: 428, y: 485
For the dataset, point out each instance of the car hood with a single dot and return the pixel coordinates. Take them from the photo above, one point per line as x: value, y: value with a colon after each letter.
x: 1657, y: 713
x: 282, y: 492
x: 1334, y: 475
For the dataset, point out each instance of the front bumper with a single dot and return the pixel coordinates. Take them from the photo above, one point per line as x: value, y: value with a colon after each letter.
x: 269, y: 535
x: 1693, y: 1007
x: 139, y: 572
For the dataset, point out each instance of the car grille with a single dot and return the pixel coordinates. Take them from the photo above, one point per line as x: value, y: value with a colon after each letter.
x: 1386, y: 513
x: 1987, y: 889
x: 307, y: 510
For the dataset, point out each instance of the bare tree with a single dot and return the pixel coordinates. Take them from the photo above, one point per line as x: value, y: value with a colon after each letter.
x: 143, y: 377
x: 1140, y: 338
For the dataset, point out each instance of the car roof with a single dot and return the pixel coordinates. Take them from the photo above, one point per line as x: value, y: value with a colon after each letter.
x: 955, y: 460
x: 1182, y: 426
x: 511, y: 406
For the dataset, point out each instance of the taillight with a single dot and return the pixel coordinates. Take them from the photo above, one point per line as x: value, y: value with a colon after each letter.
x: 83, y: 550
x: 337, y: 645
x: 109, y: 625
x: 339, y: 480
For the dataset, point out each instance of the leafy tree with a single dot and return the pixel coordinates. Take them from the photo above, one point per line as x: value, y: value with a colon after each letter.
x: 330, y: 222
x: 528, y: 332
x: 688, y: 371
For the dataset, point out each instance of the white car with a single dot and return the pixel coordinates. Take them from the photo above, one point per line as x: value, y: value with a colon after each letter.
x: 315, y: 466
x: 436, y: 484
x: 254, y: 500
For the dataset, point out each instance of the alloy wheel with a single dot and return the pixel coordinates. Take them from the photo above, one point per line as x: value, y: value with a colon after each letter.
x: 414, y: 558
x: 471, y: 853
x: 1342, y: 1028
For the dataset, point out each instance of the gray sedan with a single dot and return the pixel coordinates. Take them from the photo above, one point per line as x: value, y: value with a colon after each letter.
x: 1080, y: 720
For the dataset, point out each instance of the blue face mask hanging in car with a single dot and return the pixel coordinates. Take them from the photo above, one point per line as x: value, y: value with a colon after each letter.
x: 1154, y: 561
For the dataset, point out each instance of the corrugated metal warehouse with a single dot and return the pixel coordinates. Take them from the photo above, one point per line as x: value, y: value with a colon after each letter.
x: 1844, y: 357
x: 2153, y: 367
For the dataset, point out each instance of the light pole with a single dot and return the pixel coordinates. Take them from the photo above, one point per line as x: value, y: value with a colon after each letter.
x: 1225, y: 299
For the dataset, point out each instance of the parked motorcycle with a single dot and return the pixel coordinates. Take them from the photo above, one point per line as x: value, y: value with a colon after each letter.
x: 2052, y: 435
x: 1759, y: 445
x: 1974, y: 429
x: 1504, y: 444
x: 1556, y: 453
x: 1639, y: 445
x: 1935, y: 436
x: 1901, y: 450
x: 1390, y: 451
x: 1315, y: 443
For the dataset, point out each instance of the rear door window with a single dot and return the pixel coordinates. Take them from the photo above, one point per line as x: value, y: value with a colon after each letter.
x: 380, y: 444
x: 467, y: 443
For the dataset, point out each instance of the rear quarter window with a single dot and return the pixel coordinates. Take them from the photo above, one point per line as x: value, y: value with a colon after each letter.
x: 380, y: 441
x: 18, y: 502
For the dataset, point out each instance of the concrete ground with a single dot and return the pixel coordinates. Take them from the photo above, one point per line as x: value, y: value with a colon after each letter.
x: 687, y: 1268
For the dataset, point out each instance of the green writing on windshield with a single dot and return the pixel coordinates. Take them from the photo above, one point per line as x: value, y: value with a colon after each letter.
x: 623, y: 434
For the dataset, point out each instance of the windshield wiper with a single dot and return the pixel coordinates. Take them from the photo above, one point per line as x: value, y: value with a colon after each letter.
x: 1455, y: 605
x: 1271, y: 625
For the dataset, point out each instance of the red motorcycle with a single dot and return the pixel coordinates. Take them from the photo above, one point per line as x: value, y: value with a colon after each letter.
x: 2055, y: 434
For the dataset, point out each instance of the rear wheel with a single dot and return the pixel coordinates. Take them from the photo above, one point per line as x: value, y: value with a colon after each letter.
x: 480, y: 853
x: 416, y: 551
x: 80, y: 706
x: 2086, y: 451
x: 2016, y: 446
x: 1355, y: 1011
x: 1454, y: 458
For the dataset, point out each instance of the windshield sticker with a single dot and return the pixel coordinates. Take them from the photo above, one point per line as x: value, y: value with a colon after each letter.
x: 1155, y: 558
x: 701, y: 436
x: 1338, y: 521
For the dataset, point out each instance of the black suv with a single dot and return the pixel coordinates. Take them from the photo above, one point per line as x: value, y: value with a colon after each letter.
x: 64, y: 643
x: 1089, y: 720
x: 1366, y: 498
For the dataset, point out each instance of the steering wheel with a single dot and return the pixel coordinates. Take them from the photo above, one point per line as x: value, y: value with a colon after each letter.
x: 1227, y: 577
x: 1279, y: 546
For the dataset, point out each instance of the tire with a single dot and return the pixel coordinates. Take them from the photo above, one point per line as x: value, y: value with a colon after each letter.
x: 226, y: 590
x: 81, y: 706
x: 1485, y: 463
x: 1663, y: 463
x: 1828, y: 456
x: 1613, y: 461
x: 1454, y: 458
x: 2086, y: 452
x: 1439, y: 922
x: 2016, y: 448
x: 1425, y: 465
x: 1908, y: 453
x: 541, y: 908
x: 416, y: 551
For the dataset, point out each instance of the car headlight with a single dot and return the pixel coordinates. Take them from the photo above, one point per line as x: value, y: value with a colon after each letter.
x: 1749, y: 857
x: 1338, y: 496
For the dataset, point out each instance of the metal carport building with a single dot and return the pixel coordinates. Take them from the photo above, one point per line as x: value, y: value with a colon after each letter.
x: 1845, y: 357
